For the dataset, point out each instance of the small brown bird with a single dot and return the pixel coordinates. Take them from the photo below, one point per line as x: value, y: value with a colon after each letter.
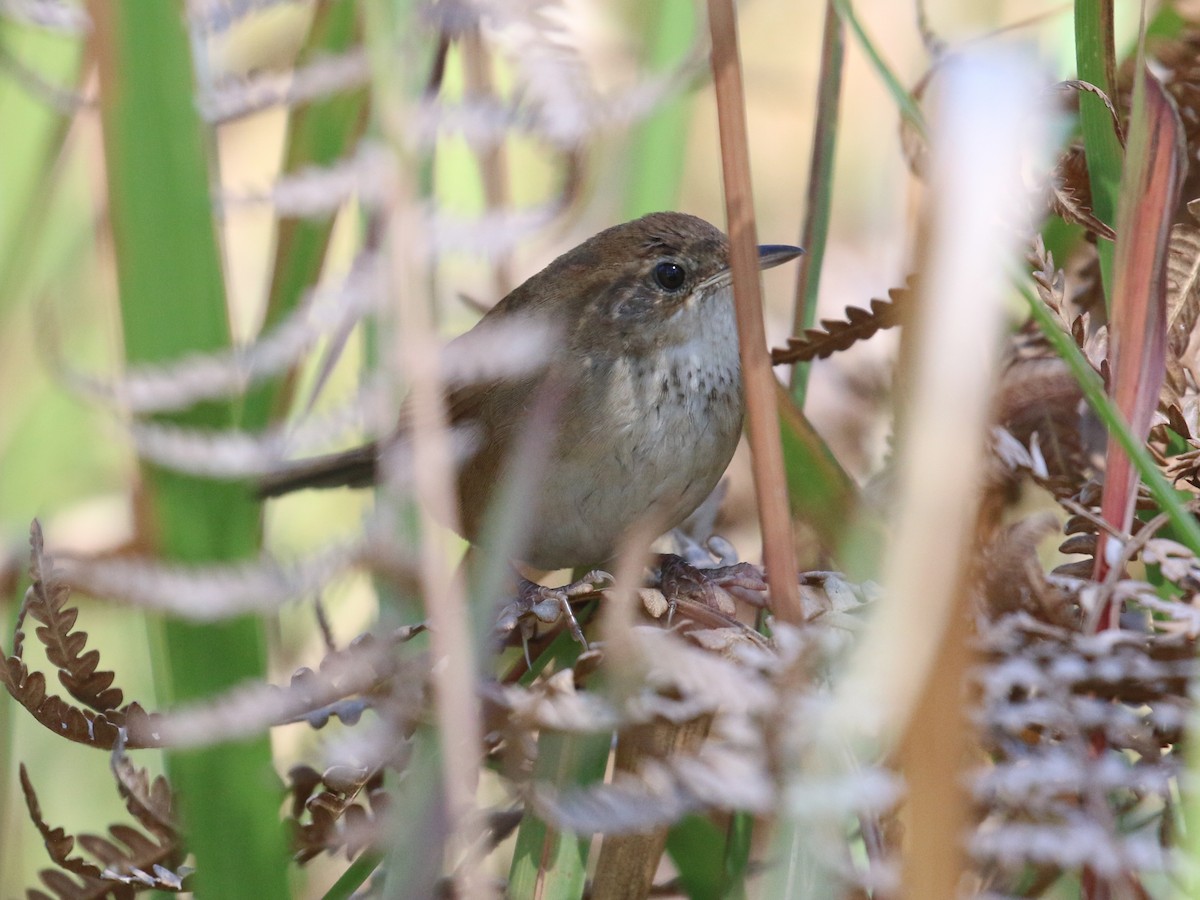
x: 651, y: 409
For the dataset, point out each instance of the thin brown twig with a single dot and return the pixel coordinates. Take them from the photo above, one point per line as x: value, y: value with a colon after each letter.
x: 457, y: 708
x: 766, y: 449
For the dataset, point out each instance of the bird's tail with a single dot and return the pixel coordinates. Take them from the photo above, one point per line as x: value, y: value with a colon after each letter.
x: 351, y: 468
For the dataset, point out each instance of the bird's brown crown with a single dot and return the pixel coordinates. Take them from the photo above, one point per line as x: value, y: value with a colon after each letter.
x: 627, y: 277
x: 625, y: 259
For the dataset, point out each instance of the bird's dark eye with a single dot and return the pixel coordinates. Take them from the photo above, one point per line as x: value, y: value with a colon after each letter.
x: 670, y: 276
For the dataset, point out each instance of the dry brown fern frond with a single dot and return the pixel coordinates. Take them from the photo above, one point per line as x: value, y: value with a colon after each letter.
x: 1039, y: 403
x: 46, y: 602
x: 1070, y: 194
x: 835, y: 335
x: 150, y: 801
x: 1048, y: 798
x: 348, y: 681
x: 1183, y: 311
x: 130, y: 862
x: 82, y: 726
x: 328, y: 812
x: 98, y: 723
x: 1183, y: 285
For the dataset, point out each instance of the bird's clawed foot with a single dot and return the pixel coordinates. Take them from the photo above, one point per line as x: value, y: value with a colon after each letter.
x: 717, y: 589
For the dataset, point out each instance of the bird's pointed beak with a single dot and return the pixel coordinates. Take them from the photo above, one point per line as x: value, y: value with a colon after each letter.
x: 771, y: 255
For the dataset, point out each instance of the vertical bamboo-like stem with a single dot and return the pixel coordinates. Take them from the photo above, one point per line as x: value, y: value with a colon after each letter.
x: 173, y: 303
x: 770, y: 484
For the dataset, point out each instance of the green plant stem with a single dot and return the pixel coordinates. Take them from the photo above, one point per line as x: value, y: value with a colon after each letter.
x: 354, y: 876
x: 904, y: 99
x: 547, y: 863
x: 819, y: 198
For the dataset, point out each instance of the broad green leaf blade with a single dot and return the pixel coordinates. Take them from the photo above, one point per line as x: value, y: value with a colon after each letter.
x: 697, y: 848
x: 820, y: 492
x: 547, y: 863
x: 172, y: 303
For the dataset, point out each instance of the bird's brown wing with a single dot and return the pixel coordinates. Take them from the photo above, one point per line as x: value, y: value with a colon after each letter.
x: 468, y: 405
x: 491, y: 405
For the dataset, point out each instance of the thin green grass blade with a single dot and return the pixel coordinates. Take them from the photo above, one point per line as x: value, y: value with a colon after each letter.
x: 1171, y: 501
x: 738, y: 843
x: 172, y: 303
x: 904, y: 99
x: 354, y: 877
x: 819, y: 196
